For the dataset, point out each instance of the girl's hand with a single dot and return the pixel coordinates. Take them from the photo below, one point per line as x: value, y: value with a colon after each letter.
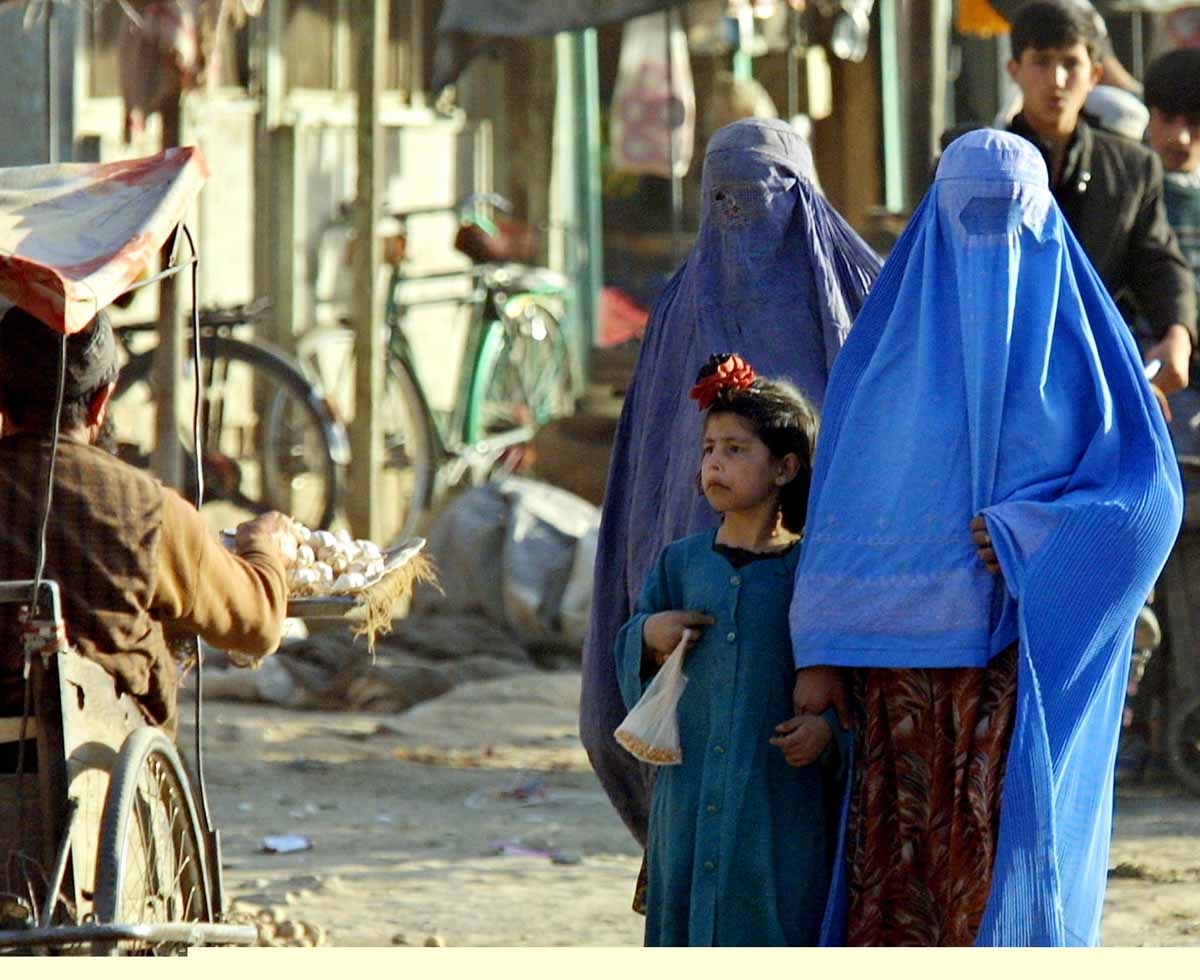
x: 802, y: 739
x: 662, y: 632
x: 818, y: 688
x: 983, y: 544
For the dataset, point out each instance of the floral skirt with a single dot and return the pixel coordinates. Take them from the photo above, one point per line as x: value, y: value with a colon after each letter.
x: 930, y: 751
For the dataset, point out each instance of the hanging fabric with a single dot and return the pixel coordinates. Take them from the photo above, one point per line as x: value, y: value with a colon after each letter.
x: 653, y: 117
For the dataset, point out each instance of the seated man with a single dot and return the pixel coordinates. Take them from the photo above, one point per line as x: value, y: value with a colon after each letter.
x: 1110, y: 189
x: 130, y: 555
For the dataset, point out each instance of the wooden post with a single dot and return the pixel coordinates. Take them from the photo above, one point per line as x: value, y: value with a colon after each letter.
x: 366, y: 441
x: 169, y: 356
x: 273, y: 180
x: 926, y: 40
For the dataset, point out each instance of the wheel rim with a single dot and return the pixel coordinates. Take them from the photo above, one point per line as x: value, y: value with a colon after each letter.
x: 163, y: 876
x: 530, y: 383
x: 1183, y: 741
x: 263, y: 445
x: 151, y: 862
x: 295, y: 465
x: 403, y: 483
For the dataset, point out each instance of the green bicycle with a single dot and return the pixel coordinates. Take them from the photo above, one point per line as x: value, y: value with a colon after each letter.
x: 514, y: 372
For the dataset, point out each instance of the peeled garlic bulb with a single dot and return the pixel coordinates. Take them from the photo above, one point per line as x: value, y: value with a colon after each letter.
x: 349, y: 582
x: 333, y: 563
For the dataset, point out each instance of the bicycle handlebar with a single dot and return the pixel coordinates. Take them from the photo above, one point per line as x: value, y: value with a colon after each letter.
x: 460, y: 208
x: 498, y: 201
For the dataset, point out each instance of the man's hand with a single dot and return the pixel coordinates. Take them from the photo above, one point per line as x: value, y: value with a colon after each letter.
x: 983, y: 544
x: 1174, y: 352
x: 662, y: 632
x: 270, y: 530
x: 802, y: 739
x: 818, y: 688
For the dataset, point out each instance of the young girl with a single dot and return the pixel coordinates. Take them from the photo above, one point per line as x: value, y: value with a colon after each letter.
x: 738, y: 852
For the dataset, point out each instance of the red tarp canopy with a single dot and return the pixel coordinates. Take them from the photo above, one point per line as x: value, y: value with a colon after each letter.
x: 75, y: 236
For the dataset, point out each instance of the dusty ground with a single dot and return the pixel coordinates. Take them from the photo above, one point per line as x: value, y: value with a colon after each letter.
x: 407, y: 812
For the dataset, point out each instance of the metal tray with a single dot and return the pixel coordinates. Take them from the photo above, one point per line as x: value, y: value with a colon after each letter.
x: 339, y: 606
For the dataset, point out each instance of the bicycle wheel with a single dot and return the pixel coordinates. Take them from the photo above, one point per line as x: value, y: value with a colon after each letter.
x: 523, y: 376
x: 270, y: 442
x: 151, y: 866
x: 406, y: 482
x: 1183, y: 742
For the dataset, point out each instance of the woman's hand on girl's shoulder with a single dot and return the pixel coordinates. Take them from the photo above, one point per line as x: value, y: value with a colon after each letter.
x: 662, y: 631
x: 802, y: 739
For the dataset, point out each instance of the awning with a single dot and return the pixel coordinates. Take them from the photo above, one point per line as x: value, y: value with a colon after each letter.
x: 466, y: 26
x: 74, y: 237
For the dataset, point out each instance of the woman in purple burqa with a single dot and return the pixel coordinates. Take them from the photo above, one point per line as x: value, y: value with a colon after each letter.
x: 775, y: 275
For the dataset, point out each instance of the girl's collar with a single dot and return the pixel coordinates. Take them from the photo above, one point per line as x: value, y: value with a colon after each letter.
x: 739, y: 557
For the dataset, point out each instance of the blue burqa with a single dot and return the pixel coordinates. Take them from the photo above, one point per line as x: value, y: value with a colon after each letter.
x: 775, y: 275
x: 990, y: 372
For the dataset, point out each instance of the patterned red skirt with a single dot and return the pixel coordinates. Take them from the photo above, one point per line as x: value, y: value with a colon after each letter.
x: 930, y: 750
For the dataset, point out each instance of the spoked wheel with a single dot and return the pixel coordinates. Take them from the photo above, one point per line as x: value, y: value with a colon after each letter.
x: 405, y: 484
x: 1183, y: 743
x: 524, y: 376
x: 151, y: 867
x: 270, y: 443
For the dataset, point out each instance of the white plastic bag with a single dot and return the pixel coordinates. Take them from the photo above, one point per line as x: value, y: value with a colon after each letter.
x: 651, y: 730
x: 653, y: 109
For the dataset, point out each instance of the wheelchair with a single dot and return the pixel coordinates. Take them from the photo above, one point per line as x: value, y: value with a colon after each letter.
x: 108, y: 853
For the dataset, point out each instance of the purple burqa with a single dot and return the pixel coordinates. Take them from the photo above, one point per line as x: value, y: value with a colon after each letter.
x: 775, y: 275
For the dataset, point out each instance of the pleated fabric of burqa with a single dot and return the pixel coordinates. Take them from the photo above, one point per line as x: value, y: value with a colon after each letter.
x: 775, y: 275
x: 989, y: 372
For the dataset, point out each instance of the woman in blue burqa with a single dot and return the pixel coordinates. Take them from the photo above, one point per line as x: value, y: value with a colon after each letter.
x: 988, y: 374
x: 776, y: 275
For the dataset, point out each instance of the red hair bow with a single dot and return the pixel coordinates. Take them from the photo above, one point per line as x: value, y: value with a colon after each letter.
x: 732, y: 374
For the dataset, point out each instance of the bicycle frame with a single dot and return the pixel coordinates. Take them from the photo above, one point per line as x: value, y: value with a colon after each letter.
x: 452, y: 433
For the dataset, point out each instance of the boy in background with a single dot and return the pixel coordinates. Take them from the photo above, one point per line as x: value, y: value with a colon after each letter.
x: 1110, y: 189
x: 1173, y: 97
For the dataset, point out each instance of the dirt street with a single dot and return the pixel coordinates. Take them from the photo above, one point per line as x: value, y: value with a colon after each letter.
x: 475, y: 820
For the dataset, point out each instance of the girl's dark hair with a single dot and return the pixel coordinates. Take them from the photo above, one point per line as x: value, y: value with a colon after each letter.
x: 784, y: 420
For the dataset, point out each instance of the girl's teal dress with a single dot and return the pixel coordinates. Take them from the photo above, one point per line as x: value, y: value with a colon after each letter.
x: 740, y: 843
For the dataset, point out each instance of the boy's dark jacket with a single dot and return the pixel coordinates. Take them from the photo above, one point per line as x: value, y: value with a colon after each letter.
x: 1111, y: 193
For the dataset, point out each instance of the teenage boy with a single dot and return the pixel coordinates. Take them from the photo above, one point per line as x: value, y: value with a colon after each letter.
x: 1110, y: 188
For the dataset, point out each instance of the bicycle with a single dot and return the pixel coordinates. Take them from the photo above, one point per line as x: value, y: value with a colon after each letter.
x: 271, y: 440
x: 514, y: 371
